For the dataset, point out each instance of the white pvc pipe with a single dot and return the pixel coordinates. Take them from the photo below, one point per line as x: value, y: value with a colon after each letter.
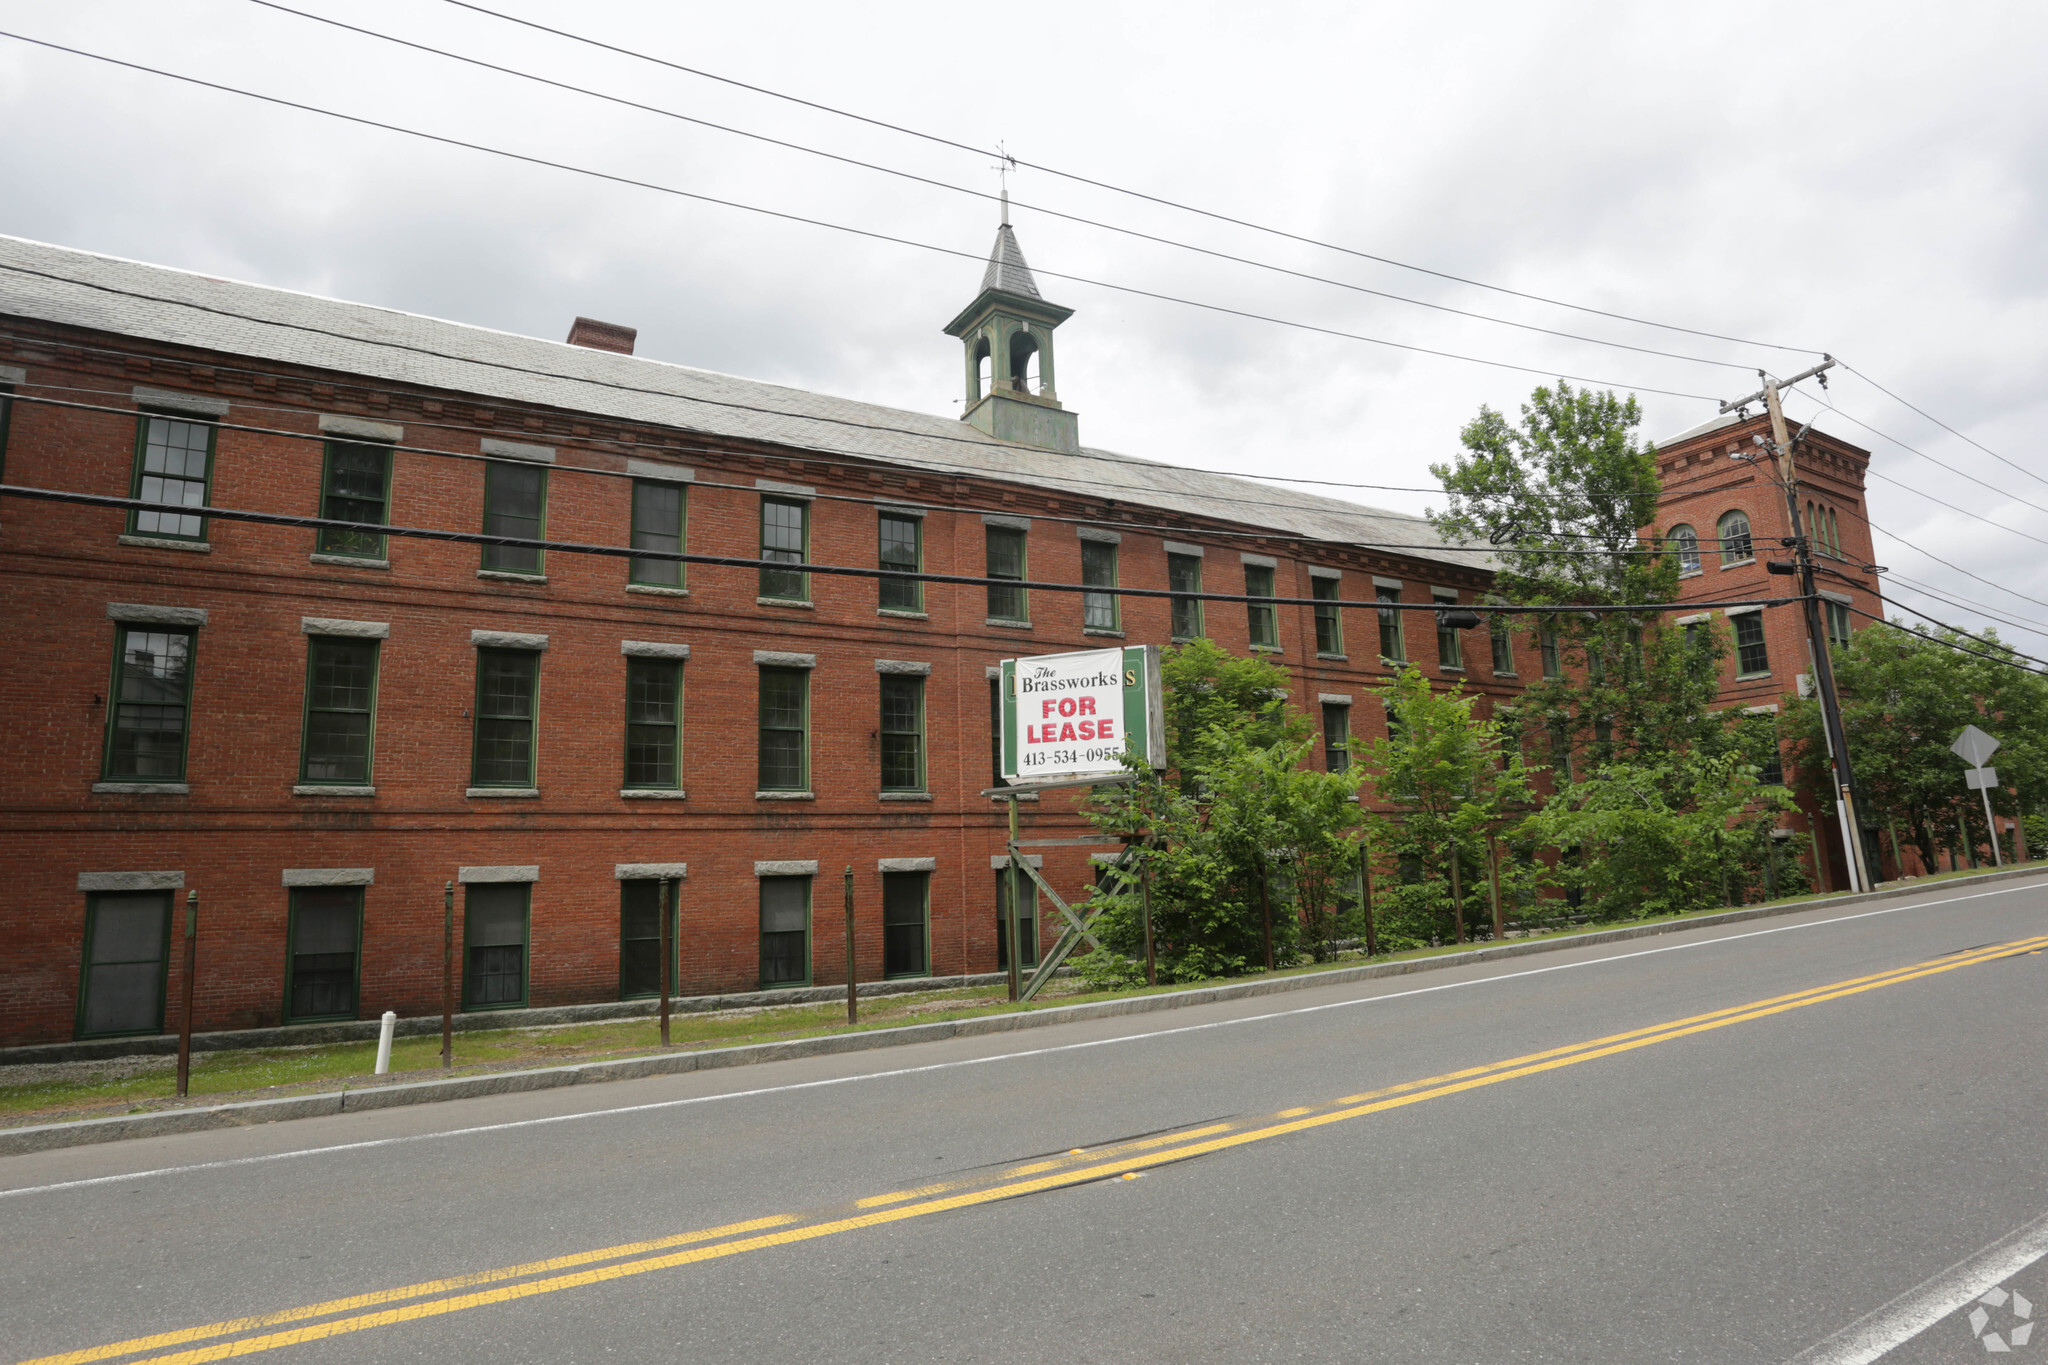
x: 384, y: 1042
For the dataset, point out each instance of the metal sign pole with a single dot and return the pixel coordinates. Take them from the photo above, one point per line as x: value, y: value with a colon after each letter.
x: 1009, y: 925
x: 1145, y: 907
x: 1991, y: 827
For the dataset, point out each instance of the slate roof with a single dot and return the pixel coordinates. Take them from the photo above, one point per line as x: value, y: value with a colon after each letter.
x: 83, y: 289
x: 1006, y: 268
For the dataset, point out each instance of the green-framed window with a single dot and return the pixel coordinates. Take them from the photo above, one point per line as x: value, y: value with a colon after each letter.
x: 902, y: 733
x: 900, y: 546
x: 1099, y: 610
x: 173, y: 464
x: 640, y: 937
x: 355, y: 485
x: 1450, y: 644
x: 654, y: 722
x: 1393, y: 644
x: 1007, y: 600
x: 338, y: 741
x: 1184, y: 575
x: 1262, y: 619
x: 1560, y: 751
x: 324, y: 947
x: 660, y: 513
x: 1027, y: 922
x: 1838, y: 621
x: 1503, y: 643
x: 1546, y: 647
x: 1752, y: 659
x: 906, y: 924
x: 1329, y: 616
x: 507, y: 688
x: 1336, y: 737
x: 147, y: 723
x: 497, y: 919
x: 6, y: 416
x: 126, y: 964
x: 515, y: 504
x: 785, y: 539
x: 785, y: 729
x: 785, y: 931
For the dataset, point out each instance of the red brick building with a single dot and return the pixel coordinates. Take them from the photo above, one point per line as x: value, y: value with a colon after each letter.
x: 1724, y: 508
x: 320, y: 728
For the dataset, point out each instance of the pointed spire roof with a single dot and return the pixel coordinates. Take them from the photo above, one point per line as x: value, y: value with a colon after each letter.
x: 1006, y: 268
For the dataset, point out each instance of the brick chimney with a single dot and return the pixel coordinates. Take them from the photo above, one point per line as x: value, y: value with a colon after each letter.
x: 603, y: 336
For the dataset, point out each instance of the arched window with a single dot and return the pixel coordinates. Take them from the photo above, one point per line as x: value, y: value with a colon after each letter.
x: 1835, y: 532
x: 984, y: 372
x: 1686, y: 542
x: 1023, y: 362
x: 1734, y: 532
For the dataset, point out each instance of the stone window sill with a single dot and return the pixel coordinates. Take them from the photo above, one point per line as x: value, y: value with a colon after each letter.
x: 652, y: 793
x: 317, y: 789
x: 1752, y: 677
x: 349, y: 562
x: 1101, y: 630
x: 511, y: 792
x: 1740, y: 563
x: 657, y: 590
x: 785, y: 602
x: 1267, y: 649
x: 167, y: 543
x: 1333, y: 658
x: 785, y: 796
x: 903, y: 796
x: 901, y: 615
x: 1450, y: 668
x: 1510, y: 673
x: 1005, y: 623
x: 142, y: 788
x: 1690, y: 573
x: 508, y: 576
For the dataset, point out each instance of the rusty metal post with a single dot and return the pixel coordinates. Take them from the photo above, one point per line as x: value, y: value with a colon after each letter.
x: 1372, y: 938
x: 1500, y: 929
x: 448, y: 976
x: 1145, y: 906
x: 1009, y: 926
x: 1266, y: 911
x: 662, y: 900
x: 852, y: 994
x: 1457, y: 894
x: 191, y: 968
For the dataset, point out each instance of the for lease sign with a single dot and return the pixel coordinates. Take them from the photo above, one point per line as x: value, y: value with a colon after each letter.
x: 1065, y: 714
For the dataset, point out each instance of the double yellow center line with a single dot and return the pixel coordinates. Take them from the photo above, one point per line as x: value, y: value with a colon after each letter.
x: 437, y: 1298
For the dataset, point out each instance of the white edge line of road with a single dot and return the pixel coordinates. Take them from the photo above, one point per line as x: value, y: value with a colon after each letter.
x: 511, y: 1124
x: 1875, y: 1335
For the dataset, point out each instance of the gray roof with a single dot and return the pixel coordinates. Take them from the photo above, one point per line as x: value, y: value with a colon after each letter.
x: 177, y: 307
x: 1006, y: 268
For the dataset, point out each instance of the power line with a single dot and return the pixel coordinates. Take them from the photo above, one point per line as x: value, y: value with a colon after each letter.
x: 1994, y: 658
x: 1938, y: 422
x: 867, y: 233
x: 984, y: 195
x: 1397, y: 547
x: 831, y: 570
x: 1905, y: 584
x: 1893, y: 535
x: 1113, y: 188
x: 1962, y: 474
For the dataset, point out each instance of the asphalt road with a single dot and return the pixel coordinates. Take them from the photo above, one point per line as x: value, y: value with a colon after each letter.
x: 1348, y: 1173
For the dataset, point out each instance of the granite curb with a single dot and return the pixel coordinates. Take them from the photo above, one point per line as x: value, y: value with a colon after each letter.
x: 44, y: 1137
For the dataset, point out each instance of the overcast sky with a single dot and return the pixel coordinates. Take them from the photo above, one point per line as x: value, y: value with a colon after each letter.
x: 1865, y: 179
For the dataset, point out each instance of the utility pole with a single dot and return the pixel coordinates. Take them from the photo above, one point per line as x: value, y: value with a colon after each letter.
x: 1816, y: 627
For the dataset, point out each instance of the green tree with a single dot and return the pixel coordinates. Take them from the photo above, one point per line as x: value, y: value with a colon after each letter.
x: 1660, y: 837
x: 1250, y: 846
x: 1904, y: 700
x: 1452, y: 779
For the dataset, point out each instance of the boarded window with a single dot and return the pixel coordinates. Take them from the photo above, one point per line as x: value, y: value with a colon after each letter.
x: 515, y: 504
x: 904, y: 936
x: 325, y: 932
x: 494, y: 936
x: 657, y: 525
x: 902, y: 549
x: 785, y: 931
